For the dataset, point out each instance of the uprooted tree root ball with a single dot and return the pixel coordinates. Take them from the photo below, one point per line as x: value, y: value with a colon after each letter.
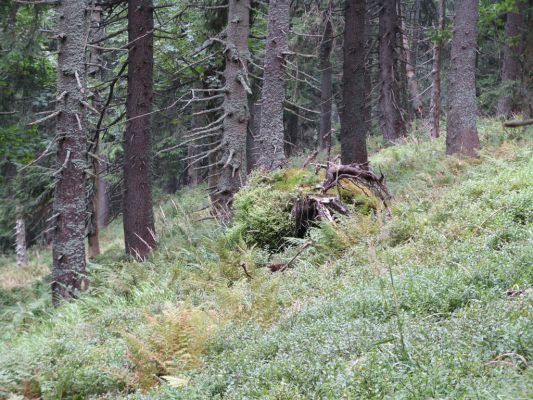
x: 343, y: 186
x: 286, y: 203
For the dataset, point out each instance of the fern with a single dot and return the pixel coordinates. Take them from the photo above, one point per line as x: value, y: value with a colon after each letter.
x: 172, y: 342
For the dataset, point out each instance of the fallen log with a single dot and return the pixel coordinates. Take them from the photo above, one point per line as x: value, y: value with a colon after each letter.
x: 518, y: 123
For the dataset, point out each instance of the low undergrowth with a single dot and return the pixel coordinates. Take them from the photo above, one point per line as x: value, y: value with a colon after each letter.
x: 433, y: 303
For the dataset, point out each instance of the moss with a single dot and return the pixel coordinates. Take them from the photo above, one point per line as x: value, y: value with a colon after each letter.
x: 262, y: 216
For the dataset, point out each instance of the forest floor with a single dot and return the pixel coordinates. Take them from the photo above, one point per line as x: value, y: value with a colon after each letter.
x: 436, y: 302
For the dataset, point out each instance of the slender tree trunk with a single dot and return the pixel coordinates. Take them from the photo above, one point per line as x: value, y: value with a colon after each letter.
x: 527, y: 80
x: 271, y: 136
x: 369, y: 40
x: 95, y: 71
x: 415, y: 102
x: 194, y: 176
x: 254, y: 125
x: 70, y: 197
x: 515, y: 27
x: 392, y: 124
x: 292, y: 134
x: 434, y: 108
x: 139, y: 231
x: 326, y: 83
x: 20, y: 238
x: 353, y: 125
x: 233, y: 160
x: 461, y: 134
x: 102, y: 191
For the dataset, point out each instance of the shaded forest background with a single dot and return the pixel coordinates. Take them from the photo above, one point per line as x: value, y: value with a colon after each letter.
x: 146, y: 92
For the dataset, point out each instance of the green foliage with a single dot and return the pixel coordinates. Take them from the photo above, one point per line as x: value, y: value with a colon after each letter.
x: 263, y: 212
x: 192, y: 323
x: 169, y: 344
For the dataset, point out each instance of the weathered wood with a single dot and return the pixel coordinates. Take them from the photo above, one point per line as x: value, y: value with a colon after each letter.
x: 517, y: 124
x: 313, y: 207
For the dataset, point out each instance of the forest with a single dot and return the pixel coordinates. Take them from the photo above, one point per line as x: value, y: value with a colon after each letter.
x: 266, y: 199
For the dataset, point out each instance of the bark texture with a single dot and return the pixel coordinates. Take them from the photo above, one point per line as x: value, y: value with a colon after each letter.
x: 70, y: 196
x: 20, y: 238
x: 353, y: 119
x: 254, y: 124
x: 139, y: 233
x: 415, y: 101
x: 369, y: 43
x: 326, y: 84
x: 435, y: 102
x: 527, y: 84
x: 232, y: 175
x: 515, y: 27
x: 194, y: 148
x: 391, y: 120
x: 271, y: 136
x: 461, y: 134
x: 95, y: 69
x: 292, y: 134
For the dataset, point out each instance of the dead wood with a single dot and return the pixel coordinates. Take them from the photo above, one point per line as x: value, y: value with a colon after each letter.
x: 517, y: 124
x: 310, y: 208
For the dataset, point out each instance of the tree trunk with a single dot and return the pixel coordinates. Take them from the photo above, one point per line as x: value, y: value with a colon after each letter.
x: 20, y: 238
x: 194, y: 176
x: 233, y: 150
x: 293, y: 131
x: 392, y: 124
x: 353, y: 124
x: 326, y: 84
x: 271, y: 136
x: 461, y: 134
x: 70, y: 197
x: 102, y: 191
x: 415, y: 102
x: 434, y: 108
x: 139, y: 232
x: 527, y: 84
x: 254, y: 124
x: 515, y: 26
x: 369, y: 40
x: 95, y: 69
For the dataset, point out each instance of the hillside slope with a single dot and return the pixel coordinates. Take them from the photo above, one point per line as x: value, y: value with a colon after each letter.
x: 435, y: 303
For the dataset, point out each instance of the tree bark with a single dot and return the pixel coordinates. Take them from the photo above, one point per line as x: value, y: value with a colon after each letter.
x: 434, y: 108
x: 461, y: 134
x: 527, y: 80
x: 194, y: 176
x: 139, y: 231
x: 515, y: 27
x: 369, y: 40
x: 20, y: 238
x: 95, y: 69
x: 70, y: 196
x: 233, y: 151
x: 271, y: 136
x: 392, y: 123
x: 326, y: 83
x: 254, y: 124
x: 353, y: 124
x: 292, y: 134
x: 102, y: 191
x: 415, y: 101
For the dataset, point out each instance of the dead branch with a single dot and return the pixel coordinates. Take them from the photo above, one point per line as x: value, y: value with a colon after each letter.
x: 517, y: 123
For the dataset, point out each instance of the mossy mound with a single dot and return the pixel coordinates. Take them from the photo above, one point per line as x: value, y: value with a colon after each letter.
x: 262, y: 214
x: 263, y: 210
